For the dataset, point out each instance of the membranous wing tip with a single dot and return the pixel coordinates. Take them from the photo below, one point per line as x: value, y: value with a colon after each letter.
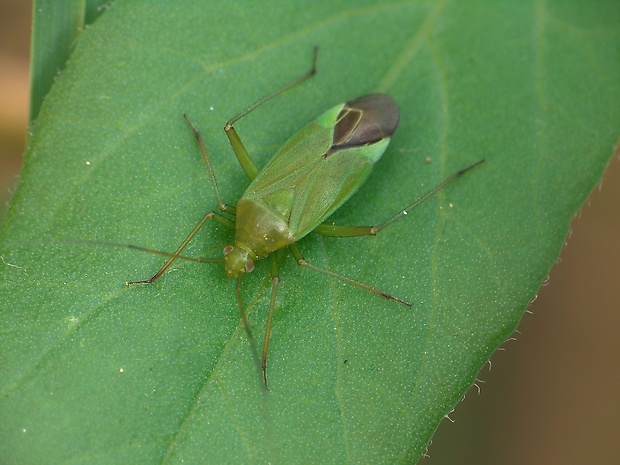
x: 365, y: 120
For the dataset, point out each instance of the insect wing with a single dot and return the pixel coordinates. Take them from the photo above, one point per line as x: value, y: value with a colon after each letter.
x: 325, y: 163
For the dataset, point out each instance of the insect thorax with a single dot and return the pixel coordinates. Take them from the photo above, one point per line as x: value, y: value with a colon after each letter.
x: 259, y: 229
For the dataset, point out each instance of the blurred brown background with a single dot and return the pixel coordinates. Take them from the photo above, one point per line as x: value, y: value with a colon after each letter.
x: 552, y: 396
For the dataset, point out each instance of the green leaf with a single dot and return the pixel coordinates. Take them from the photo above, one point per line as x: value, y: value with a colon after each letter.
x: 56, y: 28
x: 55, y: 31
x: 95, y: 372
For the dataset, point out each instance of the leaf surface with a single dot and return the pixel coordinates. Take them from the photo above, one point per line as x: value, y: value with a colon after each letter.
x: 95, y: 372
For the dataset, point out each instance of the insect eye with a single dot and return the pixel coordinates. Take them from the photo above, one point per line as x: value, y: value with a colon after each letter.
x: 228, y: 249
x: 249, y: 266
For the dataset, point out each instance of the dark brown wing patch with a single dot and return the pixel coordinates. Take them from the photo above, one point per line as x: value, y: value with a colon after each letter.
x: 365, y: 120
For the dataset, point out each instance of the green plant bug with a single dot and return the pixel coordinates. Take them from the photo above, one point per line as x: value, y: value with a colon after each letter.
x: 316, y: 171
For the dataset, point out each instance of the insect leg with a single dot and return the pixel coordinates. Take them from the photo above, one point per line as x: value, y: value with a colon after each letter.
x: 335, y: 230
x: 273, y: 263
x: 209, y: 216
x: 242, y: 155
x: 246, y: 325
x: 354, y: 231
x: 438, y: 187
x: 221, y: 205
x: 301, y: 261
